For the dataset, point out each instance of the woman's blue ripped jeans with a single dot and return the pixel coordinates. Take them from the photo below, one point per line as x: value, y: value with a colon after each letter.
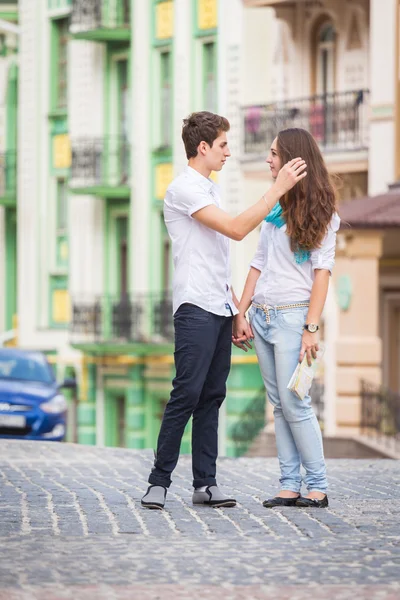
x: 298, y: 435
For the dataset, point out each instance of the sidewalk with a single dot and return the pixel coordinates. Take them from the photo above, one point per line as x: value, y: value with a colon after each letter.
x: 71, y: 526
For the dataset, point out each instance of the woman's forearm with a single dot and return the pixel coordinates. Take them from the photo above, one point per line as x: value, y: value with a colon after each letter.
x: 318, y: 295
x: 248, y: 291
x: 235, y: 298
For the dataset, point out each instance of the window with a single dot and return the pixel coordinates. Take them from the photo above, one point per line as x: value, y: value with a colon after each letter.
x: 165, y: 98
x: 61, y: 207
x: 210, y: 76
x: 123, y: 96
x: 60, y: 308
x: 62, y: 223
x: 123, y: 154
x: 122, y: 249
x: 61, y: 63
x: 325, y: 58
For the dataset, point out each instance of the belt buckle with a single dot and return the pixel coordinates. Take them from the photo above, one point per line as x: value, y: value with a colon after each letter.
x: 266, y: 312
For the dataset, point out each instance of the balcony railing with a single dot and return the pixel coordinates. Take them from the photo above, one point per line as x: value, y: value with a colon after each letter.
x: 100, y: 20
x: 99, y: 163
x: 380, y: 414
x: 8, y: 177
x: 338, y: 122
x: 145, y: 318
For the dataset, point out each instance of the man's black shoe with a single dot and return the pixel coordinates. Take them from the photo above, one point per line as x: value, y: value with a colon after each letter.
x: 279, y: 501
x: 312, y: 502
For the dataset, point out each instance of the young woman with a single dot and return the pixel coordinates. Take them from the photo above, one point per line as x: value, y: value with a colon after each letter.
x: 286, y: 288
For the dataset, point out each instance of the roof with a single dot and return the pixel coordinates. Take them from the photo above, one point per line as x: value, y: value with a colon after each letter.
x: 372, y: 212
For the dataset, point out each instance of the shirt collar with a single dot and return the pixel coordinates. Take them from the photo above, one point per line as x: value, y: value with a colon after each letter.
x: 206, y: 183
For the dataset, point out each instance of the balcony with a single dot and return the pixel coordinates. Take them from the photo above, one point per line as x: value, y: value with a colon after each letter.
x: 271, y: 3
x: 140, y: 324
x: 101, y: 20
x: 8, y: 178
x: 338, y: 122
x: 101, y: 167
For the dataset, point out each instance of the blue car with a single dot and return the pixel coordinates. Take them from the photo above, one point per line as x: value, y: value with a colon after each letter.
x: 31, y: 405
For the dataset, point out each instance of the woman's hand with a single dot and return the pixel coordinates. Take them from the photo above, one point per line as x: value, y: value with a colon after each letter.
x: 242, y: 333
x: 309, y: 346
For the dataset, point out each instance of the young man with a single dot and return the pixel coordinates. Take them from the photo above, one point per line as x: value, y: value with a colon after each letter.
x: 203, y: 304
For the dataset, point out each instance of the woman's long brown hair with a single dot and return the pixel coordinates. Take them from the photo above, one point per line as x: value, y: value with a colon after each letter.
x: 309, y: 206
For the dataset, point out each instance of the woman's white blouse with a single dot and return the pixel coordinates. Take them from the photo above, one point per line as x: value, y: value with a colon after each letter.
x: 282, y: 280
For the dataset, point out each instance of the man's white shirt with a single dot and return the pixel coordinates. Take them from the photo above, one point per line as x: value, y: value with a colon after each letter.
x: 201, y: 255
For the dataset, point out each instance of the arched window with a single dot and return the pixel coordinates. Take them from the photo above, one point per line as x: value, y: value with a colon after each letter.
x: 325, y: 58
x: 323, y: 80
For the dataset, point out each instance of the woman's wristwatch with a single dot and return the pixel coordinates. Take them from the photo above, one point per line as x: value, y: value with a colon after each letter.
x: 311, y: 327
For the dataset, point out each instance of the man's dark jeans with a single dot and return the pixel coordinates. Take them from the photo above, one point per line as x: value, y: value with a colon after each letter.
x: 202, y: 360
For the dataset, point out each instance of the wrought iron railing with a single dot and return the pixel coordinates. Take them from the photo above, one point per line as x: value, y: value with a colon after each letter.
x: 143, y: 318
x: 380, y: 413
x: 100, y: 162
x: 8, y: 173
x: 88, y: 15
x: 338, y: 121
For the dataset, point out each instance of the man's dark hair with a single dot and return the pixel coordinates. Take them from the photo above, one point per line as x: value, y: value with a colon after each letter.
x: 202, y: 127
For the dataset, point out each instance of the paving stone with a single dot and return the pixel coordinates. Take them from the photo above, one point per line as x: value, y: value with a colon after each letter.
x: 71, y: 526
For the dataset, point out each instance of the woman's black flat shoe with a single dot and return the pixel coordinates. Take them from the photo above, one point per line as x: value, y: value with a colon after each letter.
x: 312, y: 502
x: 279, y: 501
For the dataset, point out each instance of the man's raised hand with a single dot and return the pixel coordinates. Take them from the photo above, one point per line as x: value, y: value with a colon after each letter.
x: 292, y: 172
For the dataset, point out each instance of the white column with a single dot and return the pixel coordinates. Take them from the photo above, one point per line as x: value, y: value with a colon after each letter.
x: 382, y: 85
x: 141, y: 148
x: 86, y: 213
x: 100, y: 417
x: 230, y: 18
x: 29, y: 165
x: 331, y: 330
x: 86, y: 246
x: 2, y: 268
x: 230, y: 44
x: 182, y: 77
x: 44, y: 210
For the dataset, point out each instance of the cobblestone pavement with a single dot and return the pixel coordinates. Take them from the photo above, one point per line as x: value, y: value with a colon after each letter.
x: 71, y: 526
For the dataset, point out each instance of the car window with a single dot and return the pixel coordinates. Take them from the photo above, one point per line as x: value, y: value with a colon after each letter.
x: 25, y: 368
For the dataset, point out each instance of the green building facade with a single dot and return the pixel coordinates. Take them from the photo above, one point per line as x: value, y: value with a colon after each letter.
x: 8, y: 160
x: 122, y: 74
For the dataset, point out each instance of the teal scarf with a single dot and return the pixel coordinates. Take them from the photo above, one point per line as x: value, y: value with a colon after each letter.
x: 275, y: 217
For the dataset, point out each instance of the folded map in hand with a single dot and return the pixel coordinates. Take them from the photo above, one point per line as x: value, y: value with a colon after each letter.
x: 301, y: 380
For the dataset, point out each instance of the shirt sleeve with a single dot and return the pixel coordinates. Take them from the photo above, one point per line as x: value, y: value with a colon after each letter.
x: 259, y: 257
x: 189, y: 200
x: 324, y: 257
